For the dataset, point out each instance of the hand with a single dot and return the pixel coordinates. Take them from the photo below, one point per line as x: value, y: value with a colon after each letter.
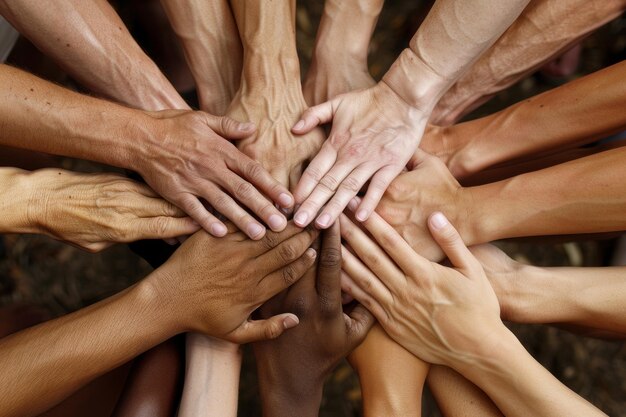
x: 94, y: 211
x: 193, y: 162
x: 294, y: 366
x: 415, y: 194
x: 442, y: 315
x: 374, y: 134
x: 273, y: 145
x: 213, y: 284
x: 325, y: 81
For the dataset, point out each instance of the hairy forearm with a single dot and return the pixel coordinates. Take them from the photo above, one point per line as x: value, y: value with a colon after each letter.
x: 211, y: 377
x: 212, y: 47
x: 545, y: 29
x: 40, y: 116
x: 72, y: 350
x: 90, y: 41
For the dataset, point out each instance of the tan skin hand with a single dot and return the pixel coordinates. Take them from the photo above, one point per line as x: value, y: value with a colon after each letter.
x: 94, y: 211
x: 323, y: 83
x: 219, y: 282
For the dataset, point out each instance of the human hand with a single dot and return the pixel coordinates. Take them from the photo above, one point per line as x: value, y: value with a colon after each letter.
x: 190, y: 160
x: 292, y: 368
x: 274, y: 109
x: 374, y: 134
x: 94, y: 211
x: 442, y: 315
x: 326, y: 79
x: 212, y: 285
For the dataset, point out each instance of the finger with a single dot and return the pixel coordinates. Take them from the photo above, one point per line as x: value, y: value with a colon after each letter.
x: 286, y: 252
x: 448, y: 238
x: 261, y: 178
x: 371, y: 254
x: 229, y: 128
x: 281, y: 279
x: 162, y: 228
x: 359, y: 322
x: 226, y: 206
x: 156, y: 206
x: 273, y: 239
x: 196, y: 210
x: 329, y: 270
x: 257, y: 330
x: 314, y: 116
x: 390, y: 241
x: 378, y: 185
x: 348, y: 189
x: 364, y: 278
x: 369, y: 302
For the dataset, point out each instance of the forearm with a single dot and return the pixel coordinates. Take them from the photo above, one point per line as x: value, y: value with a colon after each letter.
x: 72, y: 350
x: 211, y: 378
x: 541, y: 123
x: 581, y: 196
x: 518, y: 384
x: 545, y: 29
x: 40, y: 116
x: 212, y: 47
x: 449, y: 41
x: 280, y: 398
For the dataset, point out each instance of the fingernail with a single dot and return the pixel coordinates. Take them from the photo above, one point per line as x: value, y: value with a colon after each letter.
x: 311, y: 252
x: 361, y: 215
x: 276, y: 222
x: 290, y: 321
x: 323, y: 220
x: 301, y: 219
x: 285, y: 200
x: 299, y: 125
x: 352, y: 205
x: 218, y: 229
x: 245, y: 126
x: 255, y: 230
x: 438, y: 220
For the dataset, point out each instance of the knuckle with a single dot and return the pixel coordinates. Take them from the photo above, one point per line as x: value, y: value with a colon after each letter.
x: 287, y: 253
x: 270, y: 240
x: 289, y: 275
x: 254, y: 170
x: 273, y: 330
x: 160, y: 226
x: 329, y: 182
x: 350, y: 184
x: 331, y: 258
x: 244, y: 190
x: 313, y: 172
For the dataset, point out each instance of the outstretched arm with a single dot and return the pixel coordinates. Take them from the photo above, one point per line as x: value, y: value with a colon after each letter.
x: 89, y: 40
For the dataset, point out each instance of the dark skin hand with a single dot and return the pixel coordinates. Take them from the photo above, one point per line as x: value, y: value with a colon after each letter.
x: 292, y: 367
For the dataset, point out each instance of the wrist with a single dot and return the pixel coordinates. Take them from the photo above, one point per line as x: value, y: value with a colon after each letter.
x: 280, y: 400
x: 260, y: 73
x: 20, y: 204
x: 158, y: 293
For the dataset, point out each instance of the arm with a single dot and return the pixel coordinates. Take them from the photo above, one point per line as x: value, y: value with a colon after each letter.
x: 375, y: 131
x: 212, y: 47
x: 182, y: 155
x: 545, y: 29
x: 339, y: 62
x: 451, y: 316
x: 270, y: 94
x: 539, y: 124
x: 211, y: 377
x: 90, y: 41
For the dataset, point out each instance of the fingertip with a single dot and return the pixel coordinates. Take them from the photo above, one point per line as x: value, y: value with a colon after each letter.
x: 255, y: 231
x: 290, y: 321
x: 362, y: 215
x: 277, y: 222
x: 311, y: 253
x: 246, y: 127
x: 437, y: 221
x: 298, y: 127
x: 301, y: 219
x: 218, y: 230
x: 323, y: 221
x: 285, y: 200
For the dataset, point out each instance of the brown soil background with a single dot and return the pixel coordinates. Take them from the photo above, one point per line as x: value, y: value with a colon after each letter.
x: 37, y: 270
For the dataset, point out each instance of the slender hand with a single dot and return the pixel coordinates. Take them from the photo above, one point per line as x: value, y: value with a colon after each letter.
x: 375, y: 131
x: 292, y: 367
x: 450, y: 316
x: 91, y: 211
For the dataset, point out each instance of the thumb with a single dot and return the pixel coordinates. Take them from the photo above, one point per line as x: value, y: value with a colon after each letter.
x: 257, y: 330
x: 360, y: 323
x: 230, y: 128
x: 450, y: 241
x: 314, y: 116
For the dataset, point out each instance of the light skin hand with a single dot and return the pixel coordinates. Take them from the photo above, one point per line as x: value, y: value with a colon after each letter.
x: 292, y: 367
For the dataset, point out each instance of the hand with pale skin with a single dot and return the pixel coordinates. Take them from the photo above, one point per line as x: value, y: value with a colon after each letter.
x: 292, y: 368
x: 375, y: 131
x: 450, y: 316
x: 90, y: 211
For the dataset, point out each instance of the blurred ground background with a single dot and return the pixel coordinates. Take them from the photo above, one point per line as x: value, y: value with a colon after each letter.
x: 37, y: 270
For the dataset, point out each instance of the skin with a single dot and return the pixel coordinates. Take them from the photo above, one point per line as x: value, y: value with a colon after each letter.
x: 271, y: 96
x: 450, y: 316
x: 182, y: 155
x: 292, y: 367
x: 545, y: 30
x: 91, y: 43
x: 214, y: 295
x: 531, y: 204
x: 208, y: 33
x: 537, y: 125
x: 375, y: 131
x: 90, y: 211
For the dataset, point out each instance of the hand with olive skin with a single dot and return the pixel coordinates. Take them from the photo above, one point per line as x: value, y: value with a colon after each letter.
x: 90, y: 211
x: 292, y: 368
x: 214, y: 284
